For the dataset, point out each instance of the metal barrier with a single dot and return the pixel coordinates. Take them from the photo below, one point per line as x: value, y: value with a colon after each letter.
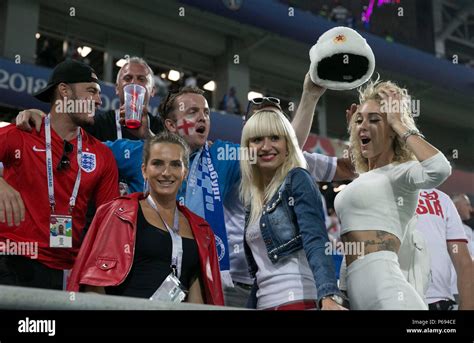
x: 22, y: 298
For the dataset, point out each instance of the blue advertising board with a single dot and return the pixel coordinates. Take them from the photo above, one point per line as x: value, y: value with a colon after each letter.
x: 19, y: 81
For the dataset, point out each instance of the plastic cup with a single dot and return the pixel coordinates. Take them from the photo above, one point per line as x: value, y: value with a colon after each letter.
x: 134, y: 98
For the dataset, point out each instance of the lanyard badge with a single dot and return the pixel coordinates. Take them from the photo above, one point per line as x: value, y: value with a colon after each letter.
x: 171, y: 290
x: 60, y: 231
x: 60, y: 225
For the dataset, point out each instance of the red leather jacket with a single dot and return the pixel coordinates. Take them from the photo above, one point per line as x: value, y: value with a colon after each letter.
x: 106, y: 255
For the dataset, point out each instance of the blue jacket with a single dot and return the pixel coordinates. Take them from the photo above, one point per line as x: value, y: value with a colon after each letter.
x: 292, y: 220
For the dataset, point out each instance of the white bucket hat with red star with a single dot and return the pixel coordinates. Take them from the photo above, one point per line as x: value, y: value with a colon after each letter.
x: 341, y: 59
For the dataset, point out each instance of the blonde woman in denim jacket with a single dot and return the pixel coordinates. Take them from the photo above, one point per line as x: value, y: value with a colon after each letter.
x: 285, y: 235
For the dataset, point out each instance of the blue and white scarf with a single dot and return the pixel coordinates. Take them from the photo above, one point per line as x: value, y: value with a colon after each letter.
x: 203, y: 197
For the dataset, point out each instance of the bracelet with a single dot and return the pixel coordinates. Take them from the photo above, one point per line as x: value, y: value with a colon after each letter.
x: 411, y: 133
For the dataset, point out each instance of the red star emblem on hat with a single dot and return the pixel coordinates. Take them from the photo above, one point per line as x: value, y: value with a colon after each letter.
x: 339, y: 39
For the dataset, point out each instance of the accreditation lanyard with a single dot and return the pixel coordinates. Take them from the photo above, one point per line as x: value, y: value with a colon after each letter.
x: 117, y: 124
x: 177, y: 251
x: 49, y: 167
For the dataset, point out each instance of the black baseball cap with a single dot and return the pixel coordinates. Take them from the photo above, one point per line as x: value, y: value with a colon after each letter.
x: 69, y: 71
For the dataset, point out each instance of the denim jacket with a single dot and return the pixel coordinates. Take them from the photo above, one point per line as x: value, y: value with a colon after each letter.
x: 292, y: 220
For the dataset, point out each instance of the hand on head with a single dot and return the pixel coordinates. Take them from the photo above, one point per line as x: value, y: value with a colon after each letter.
x: 391, y: 99
x: 350, y: 112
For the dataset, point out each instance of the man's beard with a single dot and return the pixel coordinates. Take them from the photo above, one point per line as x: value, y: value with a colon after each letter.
x: 80, y: 119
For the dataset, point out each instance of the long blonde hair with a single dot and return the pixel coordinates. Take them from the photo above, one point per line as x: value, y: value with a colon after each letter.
x: 371, y: 92
x: 252, y: 189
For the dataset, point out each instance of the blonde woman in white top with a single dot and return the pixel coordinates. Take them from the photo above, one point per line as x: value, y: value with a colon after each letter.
x: 393, y: 161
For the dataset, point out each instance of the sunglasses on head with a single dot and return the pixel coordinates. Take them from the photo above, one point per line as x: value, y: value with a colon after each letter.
x: 65, y: 163
x: 256, y: 104
x: 167, y: 103
x: 268, y: 99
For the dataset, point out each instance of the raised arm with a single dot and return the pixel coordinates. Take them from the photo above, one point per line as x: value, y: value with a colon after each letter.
x: 304, y: 114
x: 321, y: 166
x: 420, y: 147
x: 433, y: 168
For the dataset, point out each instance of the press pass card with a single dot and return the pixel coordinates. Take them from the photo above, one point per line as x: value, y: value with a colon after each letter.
x: 60, y: 231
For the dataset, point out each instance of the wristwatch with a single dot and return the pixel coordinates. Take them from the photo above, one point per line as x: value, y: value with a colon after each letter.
x: 334, y: 297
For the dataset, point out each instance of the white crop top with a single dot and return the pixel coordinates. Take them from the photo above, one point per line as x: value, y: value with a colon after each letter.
x: 386, y: 198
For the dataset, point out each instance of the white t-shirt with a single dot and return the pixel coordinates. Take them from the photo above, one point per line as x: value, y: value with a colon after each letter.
x: 321, y: 167
x: 234, y: 217
x: 288, y: 280
x: 439, y: 223
x: 470, y: 246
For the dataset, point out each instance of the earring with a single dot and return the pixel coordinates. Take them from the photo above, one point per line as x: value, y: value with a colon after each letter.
x: 146, y: 186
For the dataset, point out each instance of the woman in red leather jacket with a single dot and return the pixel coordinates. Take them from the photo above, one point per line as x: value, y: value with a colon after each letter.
x: 128, y: 248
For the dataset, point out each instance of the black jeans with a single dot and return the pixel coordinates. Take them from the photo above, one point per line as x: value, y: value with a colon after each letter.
x: 442, y: 305
x: 26, y: 272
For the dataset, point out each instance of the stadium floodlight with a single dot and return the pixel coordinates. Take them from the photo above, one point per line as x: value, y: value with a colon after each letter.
x: 84, y: 51
x: 174, y: 75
